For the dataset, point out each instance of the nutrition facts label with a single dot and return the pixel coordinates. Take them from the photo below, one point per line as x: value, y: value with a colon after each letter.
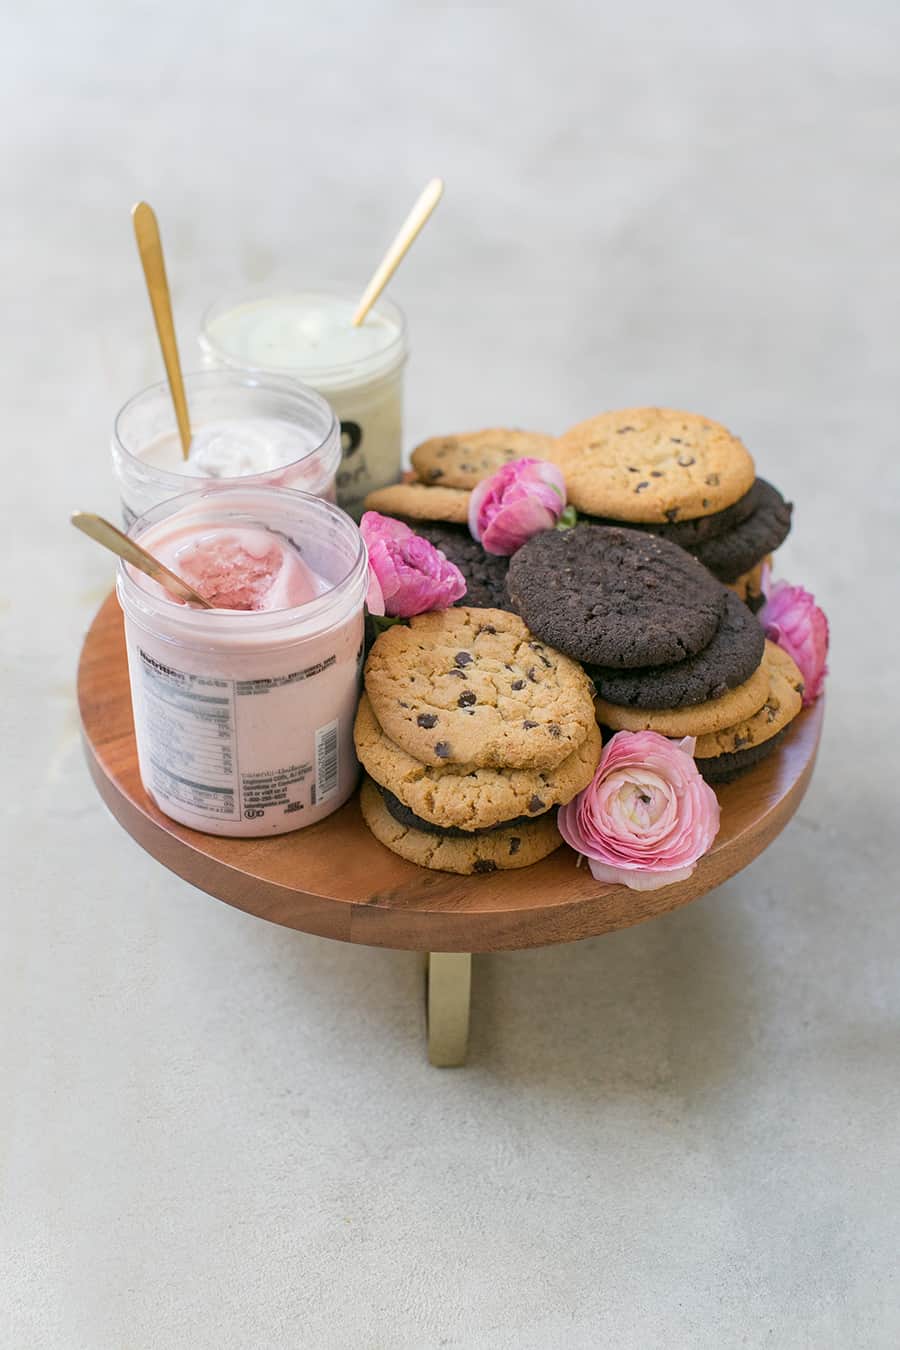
x: 189, y: 721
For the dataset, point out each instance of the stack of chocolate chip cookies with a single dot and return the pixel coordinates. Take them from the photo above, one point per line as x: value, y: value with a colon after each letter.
x: 668, y: 647
x: 436, y: 504
x: 681, y: 477
x: 472, y: 732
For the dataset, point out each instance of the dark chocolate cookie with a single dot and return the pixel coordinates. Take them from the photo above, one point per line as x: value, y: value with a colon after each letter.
x: 730, y: 658
x: 744, y: 545
x: 722, y: 768
x: 615, y: 596
x: 485, y: 573
x: 687, y: 533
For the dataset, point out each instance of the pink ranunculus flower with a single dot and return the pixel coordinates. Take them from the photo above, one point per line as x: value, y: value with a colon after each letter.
x: 646, y: 816
x: 792, y: 618
x: 407, y: 574
x: 520, y: 499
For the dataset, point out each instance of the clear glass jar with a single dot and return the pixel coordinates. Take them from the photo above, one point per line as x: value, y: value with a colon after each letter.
x: 244, y: 719
x: 308, y: 335
x: 237, y: 419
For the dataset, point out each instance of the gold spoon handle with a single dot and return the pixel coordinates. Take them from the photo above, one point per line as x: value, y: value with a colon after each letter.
x: 146, y: 232
x: 105, y: 533
x: 398, y: 250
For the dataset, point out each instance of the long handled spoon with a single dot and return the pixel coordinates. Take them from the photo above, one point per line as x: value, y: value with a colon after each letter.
x: 146, y: 232
x: 398, y: 250
x: 102, y: 532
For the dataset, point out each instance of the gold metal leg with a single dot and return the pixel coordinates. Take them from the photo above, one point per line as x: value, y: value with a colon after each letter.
x: 448, y: 983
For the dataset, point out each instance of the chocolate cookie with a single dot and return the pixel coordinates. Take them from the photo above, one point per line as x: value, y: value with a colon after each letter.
x: 653, y: 464
x: 782, y: 703
x: 738, y: 551
x: 415, y: 501
x: 725, y: 768
x: 461, y: 796
x: 687, y: 533
x: 615, y: 597
x: 485, y: 573
x: 698, y: 719
x: 730, y: 658
x: 473, y: 686
x: 496, y: 850
x: 461, y: 461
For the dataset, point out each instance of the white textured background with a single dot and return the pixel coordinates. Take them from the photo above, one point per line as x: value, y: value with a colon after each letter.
x: 220, y: 1135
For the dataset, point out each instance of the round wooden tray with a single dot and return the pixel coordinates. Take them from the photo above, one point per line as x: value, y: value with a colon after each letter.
x: 335, y: 880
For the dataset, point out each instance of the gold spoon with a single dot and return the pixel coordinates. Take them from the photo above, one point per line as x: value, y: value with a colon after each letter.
x: 398, y: 250
x: 146, y: 232
x: 102, y: 532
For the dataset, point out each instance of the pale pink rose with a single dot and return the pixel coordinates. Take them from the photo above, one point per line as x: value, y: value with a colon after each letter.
x: 407, y: 575
x: 646, y: 816
x: 792, y: 618
x: 519, y: 500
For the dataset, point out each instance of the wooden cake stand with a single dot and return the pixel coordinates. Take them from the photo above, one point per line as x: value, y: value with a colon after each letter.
x: 335, y: 880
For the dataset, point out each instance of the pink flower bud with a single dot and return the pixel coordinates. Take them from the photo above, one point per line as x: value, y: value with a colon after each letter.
x: 647, y: 815
x: 519, y: 500
x: 407, y: 575
x: 792, y: 618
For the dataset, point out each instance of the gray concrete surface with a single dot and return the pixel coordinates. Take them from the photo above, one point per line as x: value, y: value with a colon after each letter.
x: 223, y: 1136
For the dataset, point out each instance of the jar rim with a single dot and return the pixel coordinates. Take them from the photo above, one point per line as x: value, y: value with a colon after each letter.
x: 219, y: 624
x: 294, y: 389
x: 381, y: 362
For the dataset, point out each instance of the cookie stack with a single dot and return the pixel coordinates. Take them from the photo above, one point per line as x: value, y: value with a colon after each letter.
x: 471, y: 732
x: 668, y: 647
x: 681, y: 477
x: 436, y: 505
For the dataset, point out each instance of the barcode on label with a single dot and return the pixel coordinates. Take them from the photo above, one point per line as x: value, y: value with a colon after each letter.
x: 326, y: 761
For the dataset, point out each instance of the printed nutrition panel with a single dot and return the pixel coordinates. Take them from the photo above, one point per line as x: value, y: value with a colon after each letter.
x: 190, y: 731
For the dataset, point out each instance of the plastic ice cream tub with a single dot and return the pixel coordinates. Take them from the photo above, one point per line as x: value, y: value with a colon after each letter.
x: 307, y: 334
x: 244, y: 713
x: 244, y: 429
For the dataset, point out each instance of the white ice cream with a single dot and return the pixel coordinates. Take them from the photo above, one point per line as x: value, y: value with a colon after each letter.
x: 230, y: 449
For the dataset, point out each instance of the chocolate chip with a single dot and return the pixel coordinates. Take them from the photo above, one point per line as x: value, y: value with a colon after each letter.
x: 402, y: 704
x: 536, y: 804
x: 685, y: 460
x: 554, y: 731
x: 529, y: 726
x: 712, y: 479
x: 632, y: 469
x: 457, y: 674
x: 517, y: 684
x: 427, y: 720
x: 463, y: 658
x: 442, y: 749
x: 640, y: 487
x: 620, y: 431
x: 532, y: 674
x: 741, y: 741
x: 434, y: 474
x: 514, y: 845
x: 656, y: 473
x: 676, y: 440
x: 486, y: 628
x: 672, y: 514
x: 467, y: 698
x: 484, y: 865
x: 705, y: 502
x: 536, y: 646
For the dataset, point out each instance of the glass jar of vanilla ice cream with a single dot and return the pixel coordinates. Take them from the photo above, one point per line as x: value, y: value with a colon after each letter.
x: 307, y: 334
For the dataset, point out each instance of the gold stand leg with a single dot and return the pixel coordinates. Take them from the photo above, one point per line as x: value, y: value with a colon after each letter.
x: 448, y: 982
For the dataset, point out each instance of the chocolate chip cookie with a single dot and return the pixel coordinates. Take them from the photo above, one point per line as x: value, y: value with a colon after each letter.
x: 474, y: 686
x: 653, y: 464
x: 615, y: 597
x: 781, y: 705
x: 461, y: 461
x: 496, y: 850
x: 464, y: 797
x: 416, y: 501
x: 732, y: 656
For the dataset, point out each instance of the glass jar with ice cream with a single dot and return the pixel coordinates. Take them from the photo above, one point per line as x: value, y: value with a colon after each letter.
x: 244, y: 712
x: 244, y: 428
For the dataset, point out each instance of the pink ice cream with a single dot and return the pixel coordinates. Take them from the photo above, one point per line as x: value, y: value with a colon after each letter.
x: 246, y: 567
